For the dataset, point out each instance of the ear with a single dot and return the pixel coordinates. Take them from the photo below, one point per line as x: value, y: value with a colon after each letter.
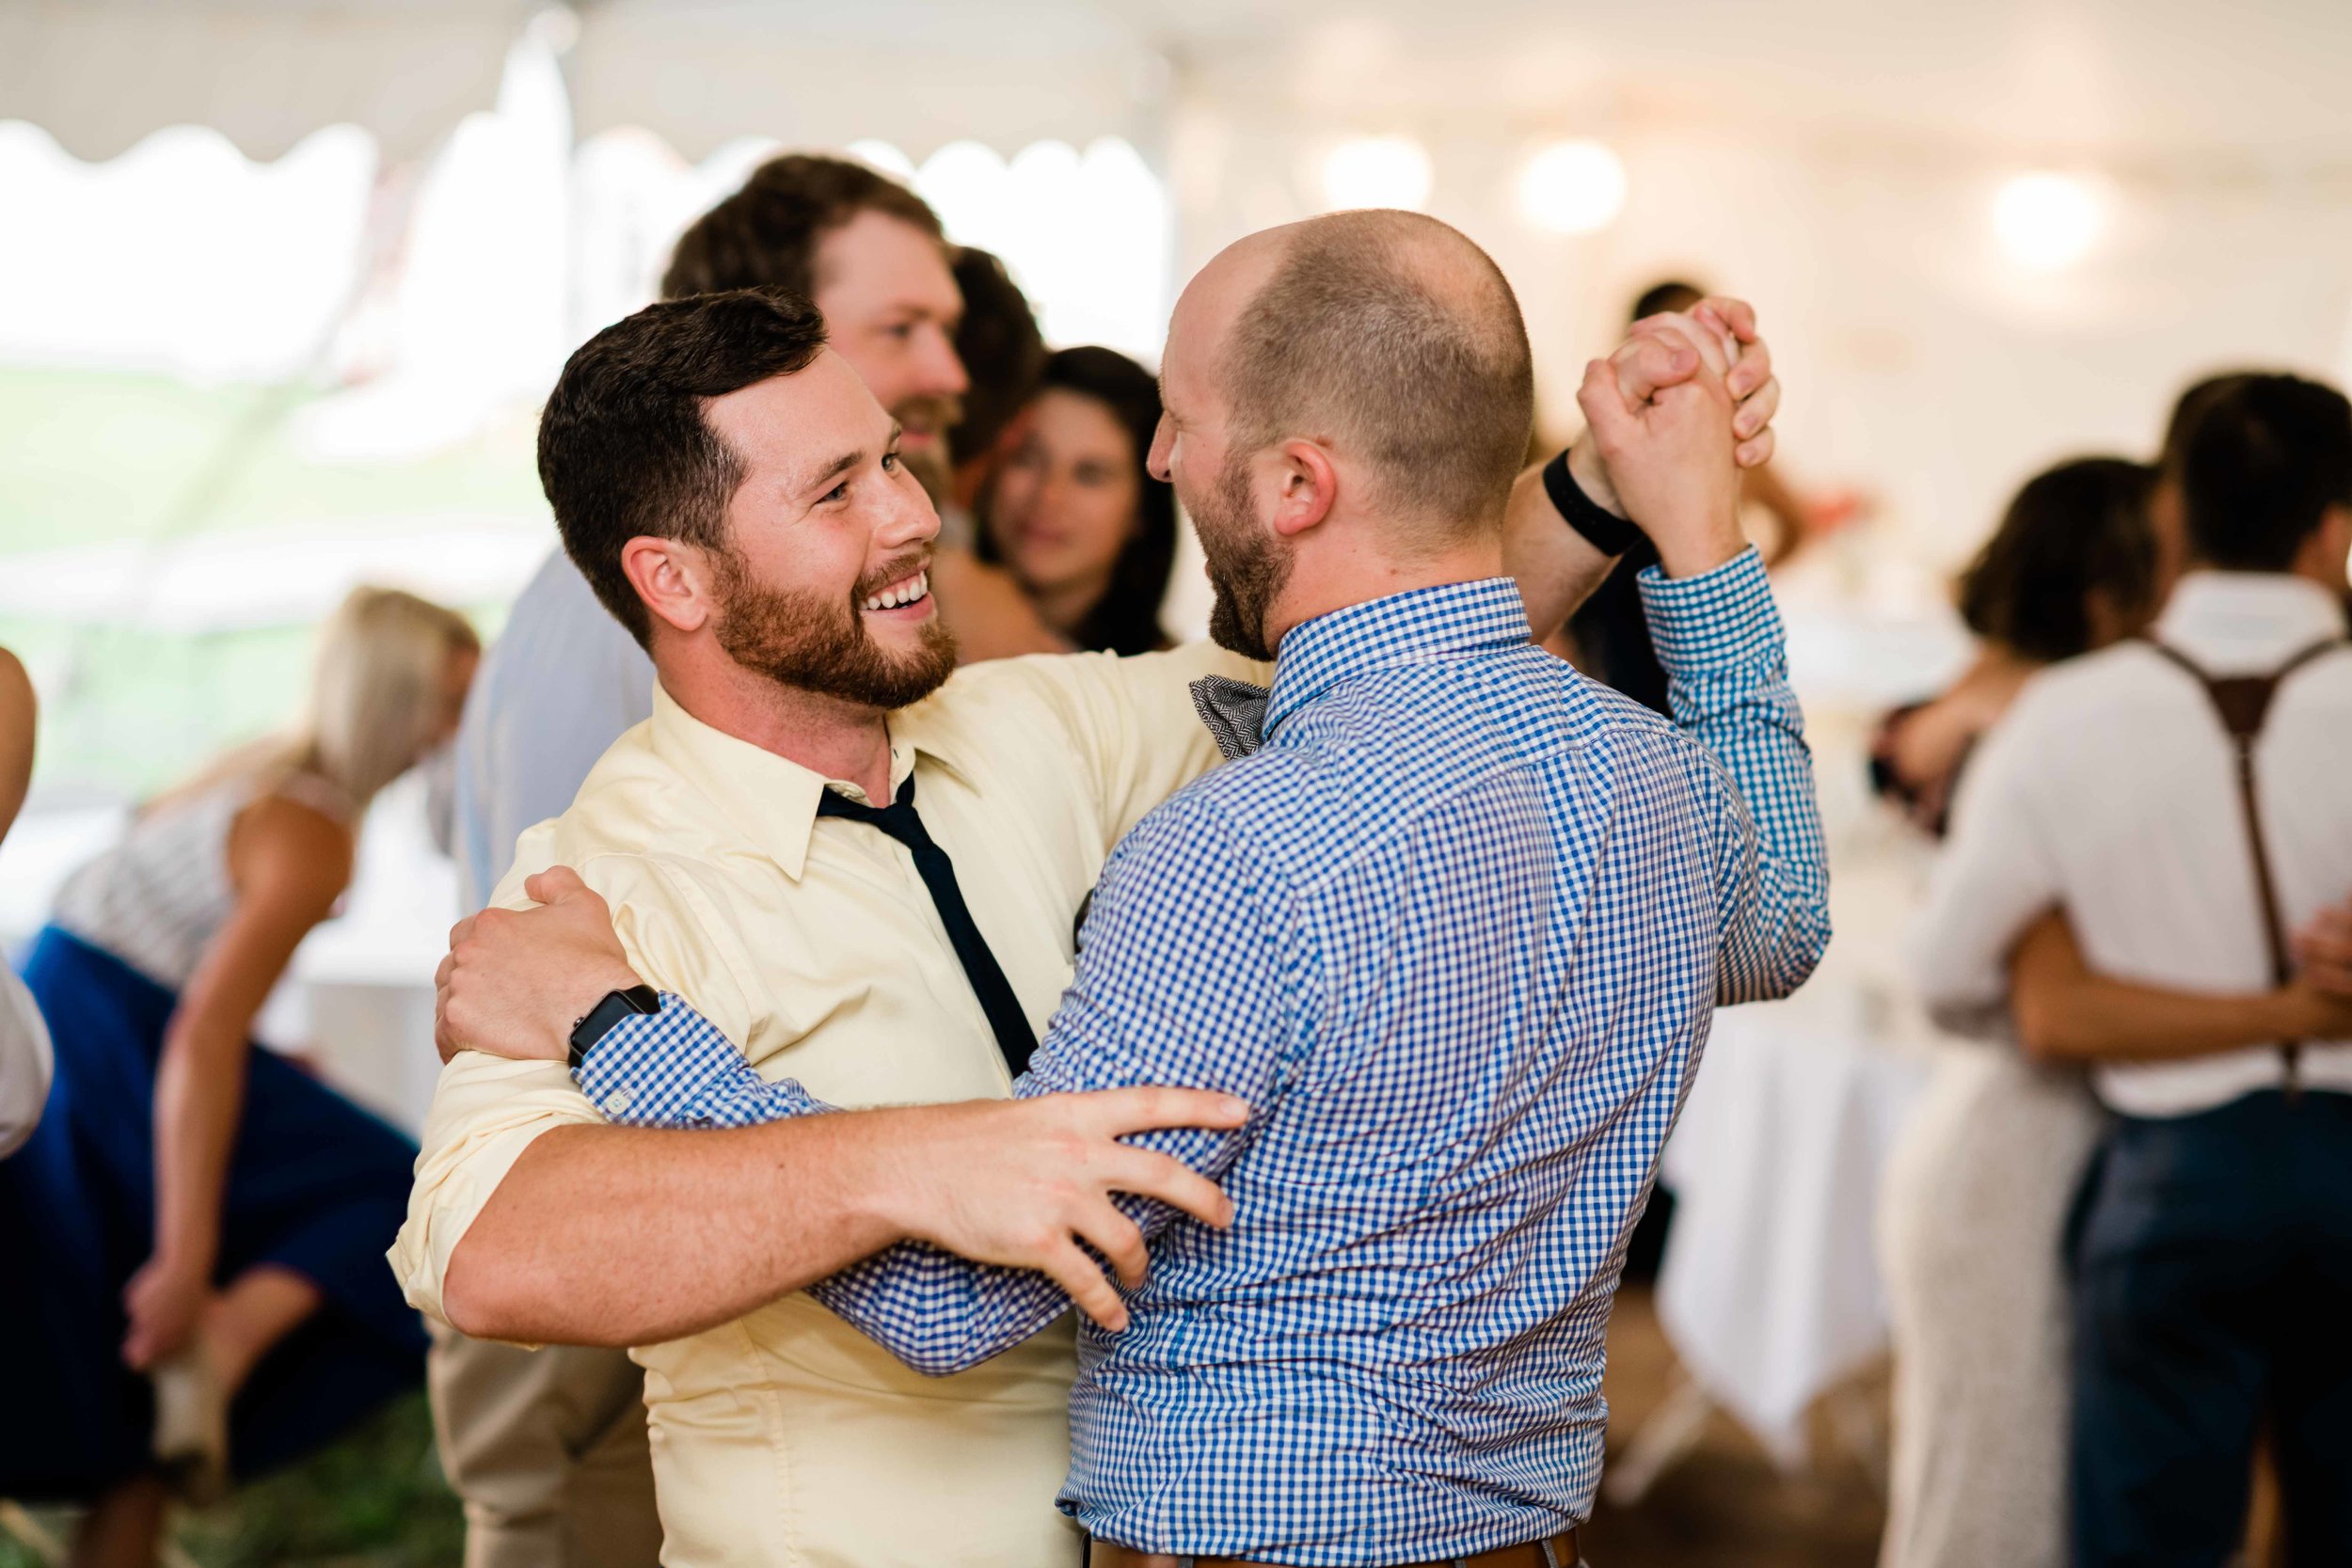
x: 673, y: 579
x: 2325, y: 553
x: 1308, y: 487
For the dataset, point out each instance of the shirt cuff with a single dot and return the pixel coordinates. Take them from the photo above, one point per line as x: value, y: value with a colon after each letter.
x: 1723, y: 617
x: 650, y: 1068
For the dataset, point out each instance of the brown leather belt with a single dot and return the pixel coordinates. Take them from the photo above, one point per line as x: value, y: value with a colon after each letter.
x: 1563, y: 1554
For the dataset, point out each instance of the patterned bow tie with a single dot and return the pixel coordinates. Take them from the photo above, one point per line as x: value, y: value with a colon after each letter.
x: 1234, y: 711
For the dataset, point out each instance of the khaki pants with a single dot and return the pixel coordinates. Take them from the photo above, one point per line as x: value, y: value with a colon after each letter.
x: 548, y: 1450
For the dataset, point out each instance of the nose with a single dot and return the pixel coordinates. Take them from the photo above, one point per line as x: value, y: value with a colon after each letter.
x: 1163, y: 445
x: 910, y: 519
x: 942, y: 372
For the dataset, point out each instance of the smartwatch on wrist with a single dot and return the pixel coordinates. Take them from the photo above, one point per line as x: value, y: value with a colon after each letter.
x: 598, y: 1020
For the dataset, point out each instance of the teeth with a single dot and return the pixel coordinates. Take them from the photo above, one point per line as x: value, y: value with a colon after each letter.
x: 919, y: 587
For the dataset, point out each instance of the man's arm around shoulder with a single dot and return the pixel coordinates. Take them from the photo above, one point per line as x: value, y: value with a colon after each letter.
x: 612, y: 1235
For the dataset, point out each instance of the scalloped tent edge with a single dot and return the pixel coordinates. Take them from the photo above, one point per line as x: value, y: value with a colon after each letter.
x: 268, y: 73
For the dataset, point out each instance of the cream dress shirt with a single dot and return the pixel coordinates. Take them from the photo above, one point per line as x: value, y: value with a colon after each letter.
x: 787, y: 1437
x: 2111, y: 788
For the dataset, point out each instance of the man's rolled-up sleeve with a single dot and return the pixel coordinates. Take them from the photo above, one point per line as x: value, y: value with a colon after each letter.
x: 487, y: 1110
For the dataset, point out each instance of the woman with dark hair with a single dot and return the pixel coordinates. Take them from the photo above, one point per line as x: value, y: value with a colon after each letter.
x: 2073, y: 566
x: 1072, y: 514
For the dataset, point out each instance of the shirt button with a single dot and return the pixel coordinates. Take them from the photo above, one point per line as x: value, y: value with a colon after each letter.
x: 615, y: 1102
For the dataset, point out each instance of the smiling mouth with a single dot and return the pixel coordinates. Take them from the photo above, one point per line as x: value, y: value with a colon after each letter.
x: 905, y: 593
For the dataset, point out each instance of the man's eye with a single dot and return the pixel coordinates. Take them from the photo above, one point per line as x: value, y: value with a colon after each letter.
x: 838, y: 492
x: 890, y: 462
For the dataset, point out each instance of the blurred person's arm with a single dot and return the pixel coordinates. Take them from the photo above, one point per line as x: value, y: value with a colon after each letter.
x: 288, y: 863
x: 2066, y: 1012
x: 2323, y: 949
x: 18, y: 714
x: 24, y: 1054
x: 987, y: 611
x: 1996, y: 875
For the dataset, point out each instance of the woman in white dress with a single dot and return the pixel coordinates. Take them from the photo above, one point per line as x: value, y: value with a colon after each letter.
x: 1974, y: 1200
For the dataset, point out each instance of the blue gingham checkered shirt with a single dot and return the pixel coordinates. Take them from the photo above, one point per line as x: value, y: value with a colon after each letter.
x: 1456, y: 933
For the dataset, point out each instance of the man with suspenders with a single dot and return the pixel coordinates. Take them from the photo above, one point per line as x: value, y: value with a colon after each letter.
x: 2186, y: 798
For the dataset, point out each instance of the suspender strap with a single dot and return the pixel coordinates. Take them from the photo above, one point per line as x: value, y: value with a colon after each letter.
x: 2241, y: 702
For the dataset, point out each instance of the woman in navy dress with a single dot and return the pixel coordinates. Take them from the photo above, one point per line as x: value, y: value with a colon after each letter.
x: 196, y: 1233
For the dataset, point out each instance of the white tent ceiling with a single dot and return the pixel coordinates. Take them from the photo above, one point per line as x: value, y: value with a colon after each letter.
x: 2116, y: 78
x: 101, y: 74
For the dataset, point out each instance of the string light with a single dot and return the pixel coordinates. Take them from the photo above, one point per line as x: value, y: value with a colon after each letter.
x: 1572, y: 187
x: 2048, y: 221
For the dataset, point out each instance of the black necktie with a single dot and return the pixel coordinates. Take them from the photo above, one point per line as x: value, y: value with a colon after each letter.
x: 1013, y: 1036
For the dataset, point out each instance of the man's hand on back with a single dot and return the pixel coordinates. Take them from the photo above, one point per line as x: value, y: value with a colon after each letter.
x: 1022, y: 1183
x: 517, y: 980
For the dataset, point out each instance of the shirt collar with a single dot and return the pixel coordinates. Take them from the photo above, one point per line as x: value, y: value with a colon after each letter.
x: 1414, y: 627
x: 2242, y: 623
x: 770, y: 801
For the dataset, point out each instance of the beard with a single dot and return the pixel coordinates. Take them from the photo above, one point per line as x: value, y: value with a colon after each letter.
x: 812, y: 642
x: 932, y: 468
x: 1247, y: 568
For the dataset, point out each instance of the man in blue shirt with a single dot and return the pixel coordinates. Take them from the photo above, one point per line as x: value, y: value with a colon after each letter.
x: 1456, y: 928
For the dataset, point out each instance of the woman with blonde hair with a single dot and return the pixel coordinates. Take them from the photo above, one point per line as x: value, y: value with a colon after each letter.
x: 195, y: 1235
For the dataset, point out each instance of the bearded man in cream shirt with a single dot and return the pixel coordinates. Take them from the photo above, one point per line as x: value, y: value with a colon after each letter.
x: 732, y: 492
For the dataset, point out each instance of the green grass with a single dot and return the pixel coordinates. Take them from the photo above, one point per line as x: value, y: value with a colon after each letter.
x: 87, y: 456
x: 90, y: 457
x: 377, y: 1499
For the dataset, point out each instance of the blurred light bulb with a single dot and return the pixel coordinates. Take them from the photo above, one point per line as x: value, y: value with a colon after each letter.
x: 1378, y: 171
x: 1572, y: 187
x: 2048, y: 221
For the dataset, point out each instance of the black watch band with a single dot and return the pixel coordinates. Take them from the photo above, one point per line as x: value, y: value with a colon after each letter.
x: 598, y: 1020
x: 1608, y: 532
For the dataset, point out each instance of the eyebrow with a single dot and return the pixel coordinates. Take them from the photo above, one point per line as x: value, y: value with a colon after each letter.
x: 822, y: 480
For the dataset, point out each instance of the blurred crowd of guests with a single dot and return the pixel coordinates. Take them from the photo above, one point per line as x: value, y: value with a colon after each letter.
x: 2118, y: 1241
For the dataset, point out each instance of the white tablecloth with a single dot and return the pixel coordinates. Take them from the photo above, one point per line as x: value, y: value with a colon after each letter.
x: 1769, y: 1289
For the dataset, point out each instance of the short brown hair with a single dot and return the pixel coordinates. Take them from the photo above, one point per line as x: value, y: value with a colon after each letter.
x: 624, y: 448
x: 768, y: 233
x: 1395, y: 335
x: 2263, y: 462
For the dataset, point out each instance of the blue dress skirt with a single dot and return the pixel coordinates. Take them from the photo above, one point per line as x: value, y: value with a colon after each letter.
x: 314, y: 1184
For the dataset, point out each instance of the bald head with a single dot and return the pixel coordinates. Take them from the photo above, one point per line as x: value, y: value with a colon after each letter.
x: 1393, y: 338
